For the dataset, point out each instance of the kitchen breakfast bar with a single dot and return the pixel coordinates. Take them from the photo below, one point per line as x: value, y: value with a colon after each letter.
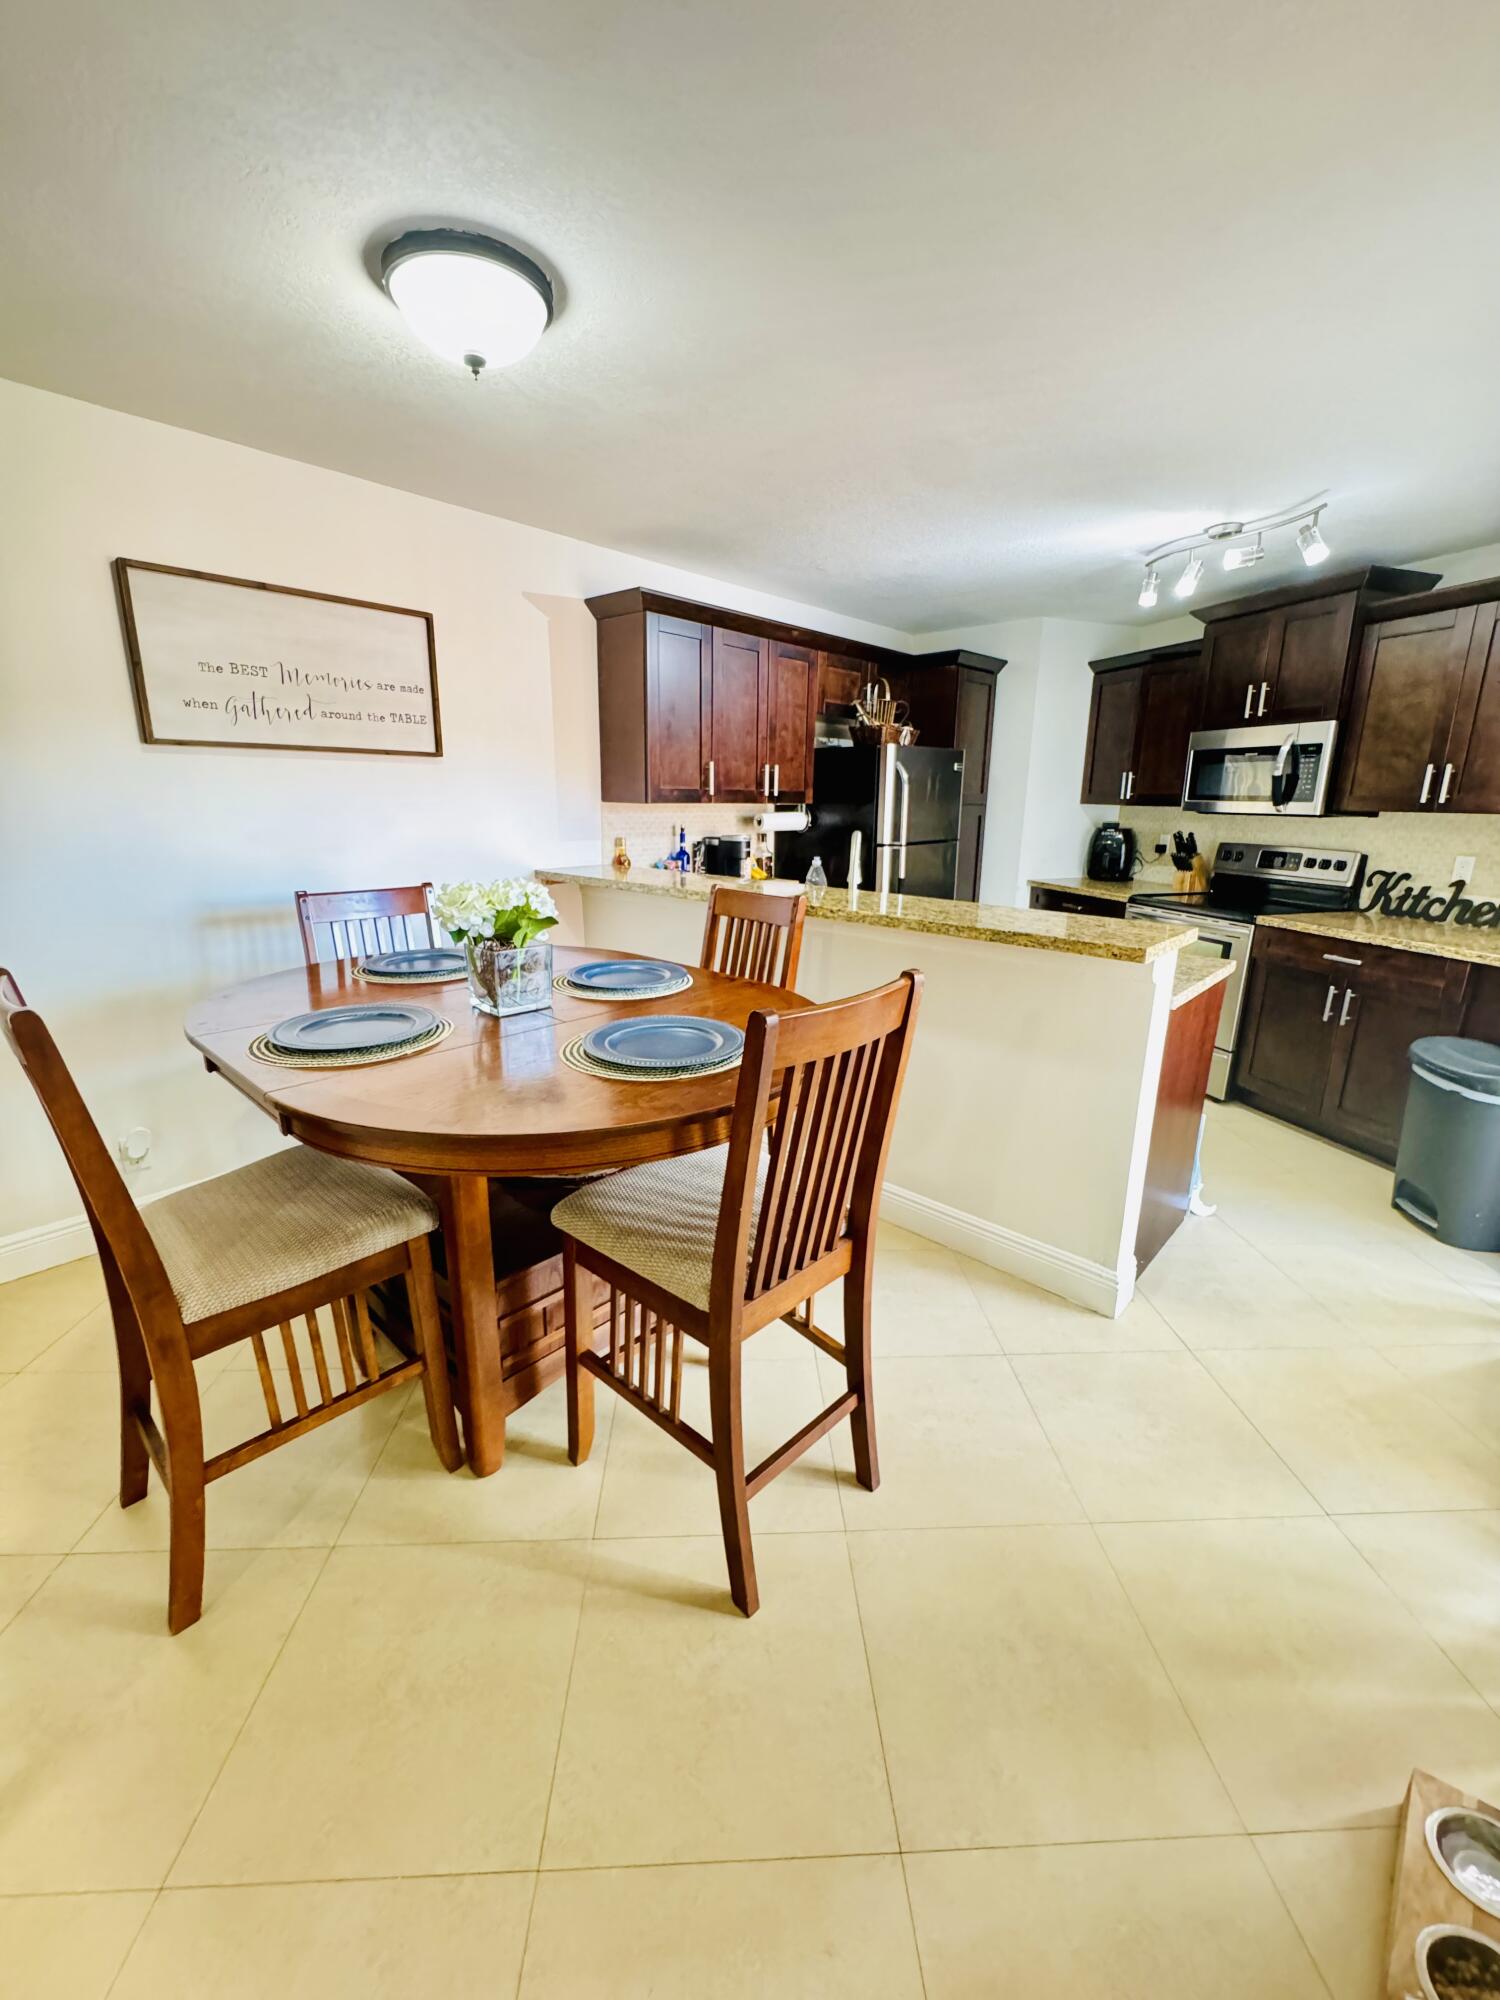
x: 1053, y: 1102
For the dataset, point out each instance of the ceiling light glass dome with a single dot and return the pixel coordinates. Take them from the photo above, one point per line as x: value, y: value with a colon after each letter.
x: 470, y: 298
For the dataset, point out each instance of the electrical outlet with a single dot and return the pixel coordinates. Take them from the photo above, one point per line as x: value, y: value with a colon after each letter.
x: 1463, y: 868
x: 135, y: 1149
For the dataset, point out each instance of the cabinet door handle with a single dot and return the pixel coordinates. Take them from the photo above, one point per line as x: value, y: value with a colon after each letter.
x: 1129, y: 783
x: 1328, y: 1003
x: 776, y: 781
x: 710, y: 777
x: 1337, y: 958
x: 1265, y: 689
x: 1427, y: 777
x: 1447, y: 781
x: 765, y: 780
x: 1123, y: 776
x: 1348, y: 1003
x: 1249, y: 698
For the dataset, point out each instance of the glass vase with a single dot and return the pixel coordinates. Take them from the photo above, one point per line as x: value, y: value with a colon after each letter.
x: 508, y: 978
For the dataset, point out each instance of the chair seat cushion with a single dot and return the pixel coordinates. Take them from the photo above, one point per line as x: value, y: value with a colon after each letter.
x: 277, y: 1223
x: 658, y: 1220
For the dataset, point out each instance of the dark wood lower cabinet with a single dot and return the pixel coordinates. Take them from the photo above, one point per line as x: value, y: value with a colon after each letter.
x: 1326, y: 1027
x: 1076, y: 902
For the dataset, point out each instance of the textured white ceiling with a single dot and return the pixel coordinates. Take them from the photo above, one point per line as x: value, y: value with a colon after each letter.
x: 928, y: 313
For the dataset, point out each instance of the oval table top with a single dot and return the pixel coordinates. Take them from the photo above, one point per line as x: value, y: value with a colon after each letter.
x: 495, y: 1097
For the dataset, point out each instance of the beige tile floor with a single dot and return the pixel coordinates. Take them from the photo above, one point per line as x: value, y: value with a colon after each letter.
x: 1147, y: 1625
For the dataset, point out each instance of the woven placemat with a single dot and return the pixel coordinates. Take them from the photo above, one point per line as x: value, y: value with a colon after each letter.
x: 410, y: 978
x: 264, y: 1050
x: 564, y: 985
x: 574, y: 1056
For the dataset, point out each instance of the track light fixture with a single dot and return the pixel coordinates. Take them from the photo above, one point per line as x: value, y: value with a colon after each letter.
x: 1310, y: 541
x: 1243, y: 543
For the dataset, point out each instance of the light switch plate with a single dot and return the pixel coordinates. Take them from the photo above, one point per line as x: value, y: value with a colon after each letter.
x: 1463, y: 868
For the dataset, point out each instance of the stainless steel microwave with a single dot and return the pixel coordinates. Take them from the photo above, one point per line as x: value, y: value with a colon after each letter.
x: 1269, y: 768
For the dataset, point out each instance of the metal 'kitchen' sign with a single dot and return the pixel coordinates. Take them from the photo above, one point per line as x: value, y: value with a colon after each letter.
x: 1388, y: 893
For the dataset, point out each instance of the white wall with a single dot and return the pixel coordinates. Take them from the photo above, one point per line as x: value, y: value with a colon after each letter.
x: 137, y: 877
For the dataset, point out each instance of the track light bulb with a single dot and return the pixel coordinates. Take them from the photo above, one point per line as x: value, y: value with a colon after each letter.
x: 1244, y: 555
x: 1187, y: 583
x: 1150, y: 584
x: 1310, y: 541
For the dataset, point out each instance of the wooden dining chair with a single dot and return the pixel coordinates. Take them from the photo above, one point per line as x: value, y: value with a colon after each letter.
x: 361, y: 922
x: 754, y: 936
x: 718, y: 1244
x: 227, y: 1260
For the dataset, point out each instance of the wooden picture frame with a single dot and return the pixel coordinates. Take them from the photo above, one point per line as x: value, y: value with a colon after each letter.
x: 186, y: 662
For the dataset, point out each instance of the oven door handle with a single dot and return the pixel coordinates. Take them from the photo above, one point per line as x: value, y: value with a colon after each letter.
x: 1284, y: 772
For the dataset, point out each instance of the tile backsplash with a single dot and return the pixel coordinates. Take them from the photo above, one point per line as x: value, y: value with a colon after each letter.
x: 1425, y: 843
x: 651, y: 831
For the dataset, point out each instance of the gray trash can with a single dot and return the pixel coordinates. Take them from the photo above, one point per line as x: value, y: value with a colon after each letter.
x: 1448, y: 1162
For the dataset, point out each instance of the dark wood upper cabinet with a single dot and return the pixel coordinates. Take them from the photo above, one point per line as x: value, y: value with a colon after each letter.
x: 1474, y: 747
x: 1234, y: 671
x: 653, y: 740
x: 1114, y: 716
x: 734, y: 718
x: 840, y: 679
x: 1171, y: 695
x: 1143, y: 708
x: 976, y: 726
x: 1402, y: 714
x: 793, y: 695
x: 698, y: 704
x: 1288, y: 655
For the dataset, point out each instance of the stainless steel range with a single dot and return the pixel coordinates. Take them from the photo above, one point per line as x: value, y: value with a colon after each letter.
x: 1251, y: 880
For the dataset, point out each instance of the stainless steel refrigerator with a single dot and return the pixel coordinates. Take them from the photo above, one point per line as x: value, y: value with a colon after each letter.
x: 903, y: 806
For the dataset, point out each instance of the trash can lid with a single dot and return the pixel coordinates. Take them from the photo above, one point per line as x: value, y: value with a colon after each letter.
x: 1476, y: 1065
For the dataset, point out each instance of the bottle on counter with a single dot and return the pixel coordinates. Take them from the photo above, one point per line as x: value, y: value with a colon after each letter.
x: 682, y: 855
x: 817, y: 878
x: 620, y: 860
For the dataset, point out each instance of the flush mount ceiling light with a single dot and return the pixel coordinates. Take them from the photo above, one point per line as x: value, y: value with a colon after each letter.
x: 470, y: 298
x: 1243, y: 543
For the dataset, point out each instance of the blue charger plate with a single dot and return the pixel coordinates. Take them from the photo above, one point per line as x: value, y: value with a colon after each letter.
x: 625, y: 975
x: 429, y: 959
x: 664, y: 1041
x: 341, y: 1030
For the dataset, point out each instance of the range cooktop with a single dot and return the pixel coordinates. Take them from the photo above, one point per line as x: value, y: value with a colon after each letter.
x: 1253, y: 879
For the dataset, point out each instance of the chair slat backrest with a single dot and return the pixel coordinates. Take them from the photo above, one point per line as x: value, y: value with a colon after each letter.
x: 132, y: 1264
x: 841, y: 1069
x: 361, y: 922
x: 751, y: 935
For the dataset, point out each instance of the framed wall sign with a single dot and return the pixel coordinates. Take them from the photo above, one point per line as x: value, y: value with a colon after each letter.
x: 261, y: 666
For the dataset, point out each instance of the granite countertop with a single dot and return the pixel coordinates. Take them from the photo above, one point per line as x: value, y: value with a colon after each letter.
x: 1460, y: 941
x: 990, y: 923
x: 1193, y: 976
x: 1111, y: 892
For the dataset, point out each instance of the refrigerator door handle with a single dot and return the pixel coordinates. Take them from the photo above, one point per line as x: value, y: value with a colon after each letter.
x: 905, y: 815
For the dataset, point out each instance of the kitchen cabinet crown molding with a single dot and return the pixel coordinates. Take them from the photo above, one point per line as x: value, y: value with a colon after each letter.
x: 621, y: 603
x: 1182, y: 649
x: 1375, y: 583
x: 1457, y: 597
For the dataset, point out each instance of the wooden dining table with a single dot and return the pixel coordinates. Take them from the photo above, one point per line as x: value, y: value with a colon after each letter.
x: 494, y: 1099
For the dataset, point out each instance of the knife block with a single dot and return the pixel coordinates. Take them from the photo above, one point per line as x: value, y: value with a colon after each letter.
x: 1192, y: 881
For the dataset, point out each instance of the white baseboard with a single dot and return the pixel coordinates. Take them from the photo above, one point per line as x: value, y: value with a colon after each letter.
x: 1072, y: 1277
x: 1087, y: 1284
x: 49, y: 1243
